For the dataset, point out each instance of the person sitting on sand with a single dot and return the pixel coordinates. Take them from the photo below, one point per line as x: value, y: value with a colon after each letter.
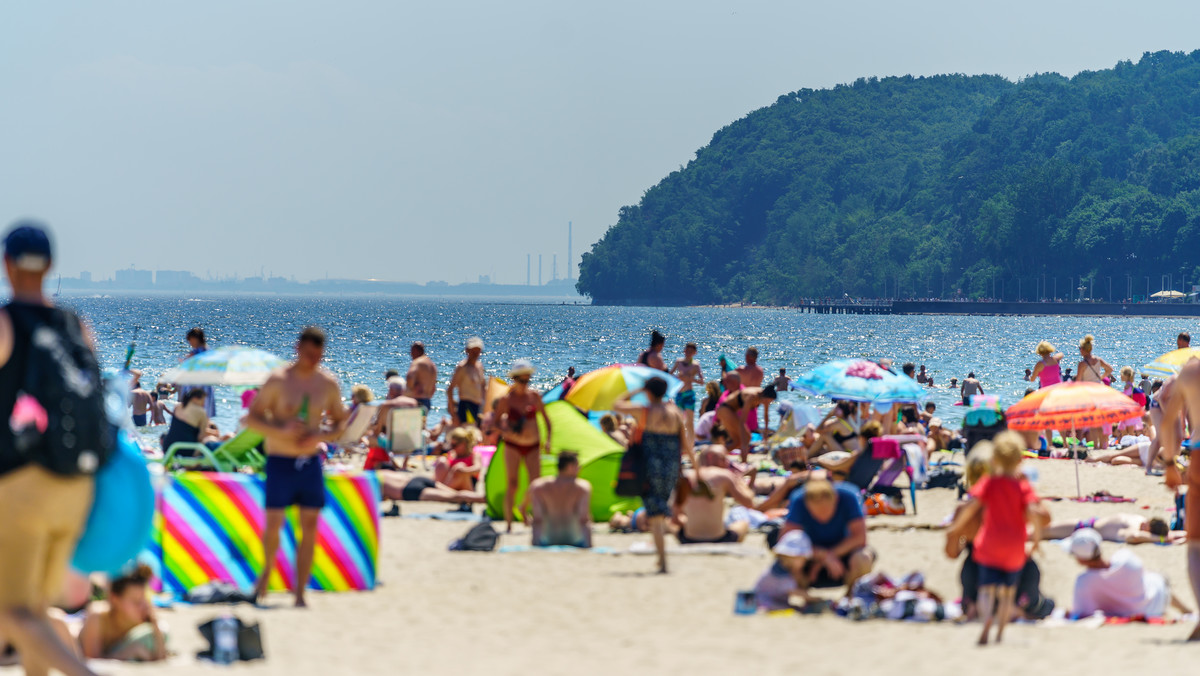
x: 838, y: 431
x: 189, y: 422
x: 124, y: 627
x: 1130, y: 529
x: 395, y: 485
x: 459, y: 469
x: 785, y: 578
x: 611, y: 425
x: 712, y: 394
x: 700, y: 500
x: 629, y: 522
x: 1118, y: 587
x: 561, y: 506
x: 832, y: 517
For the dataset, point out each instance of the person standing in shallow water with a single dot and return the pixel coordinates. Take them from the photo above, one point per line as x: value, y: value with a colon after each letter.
x: 198, y: 344
x: 653, y: 356
x: 969, y: 388
x: 688, y: 370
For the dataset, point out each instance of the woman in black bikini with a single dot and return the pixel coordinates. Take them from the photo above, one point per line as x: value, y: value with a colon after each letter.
x: 517, y: 414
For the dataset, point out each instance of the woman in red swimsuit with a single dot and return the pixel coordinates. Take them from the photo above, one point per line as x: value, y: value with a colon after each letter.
x: 459, y: 469
x: 516, y: 415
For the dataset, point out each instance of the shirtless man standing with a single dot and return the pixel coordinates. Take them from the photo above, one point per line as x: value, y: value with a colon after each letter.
x: 687, y: 370
x: 562, y: 506
x: 516, y: 413
x: 470, y: 383
x: 752, y: 375
x: 653, y: 356
x: 140, y: 400
x: 288, y: 412
x: 702, y: 512
x: 1185, y: 400
x: 421, y: 379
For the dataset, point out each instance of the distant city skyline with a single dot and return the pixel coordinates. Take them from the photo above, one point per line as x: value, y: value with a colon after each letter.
x: 417, y: 142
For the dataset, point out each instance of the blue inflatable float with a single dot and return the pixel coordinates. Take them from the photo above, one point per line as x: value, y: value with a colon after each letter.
x: 118, y: 527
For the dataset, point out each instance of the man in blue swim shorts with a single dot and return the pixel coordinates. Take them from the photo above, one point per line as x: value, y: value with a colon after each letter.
x: 289, y: 411
x: 687, y: 370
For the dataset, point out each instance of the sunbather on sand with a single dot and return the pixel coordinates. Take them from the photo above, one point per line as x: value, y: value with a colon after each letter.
x: 409, y: 488
x: 124, y: 627
x: 700, y: 500
x: 1130, y: 529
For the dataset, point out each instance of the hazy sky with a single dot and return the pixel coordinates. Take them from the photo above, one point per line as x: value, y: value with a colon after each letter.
x: 442, y: 140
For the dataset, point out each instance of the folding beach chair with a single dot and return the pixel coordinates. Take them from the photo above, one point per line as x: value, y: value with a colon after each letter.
x: 240, y: 451
x: 357, y: 427
x: 876, y: 469
x: 405, y: 431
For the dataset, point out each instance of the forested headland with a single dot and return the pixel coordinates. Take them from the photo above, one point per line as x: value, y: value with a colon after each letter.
x: 933, y: 187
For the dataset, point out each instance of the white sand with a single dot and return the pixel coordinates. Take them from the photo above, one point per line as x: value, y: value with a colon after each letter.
x: 441, y: 612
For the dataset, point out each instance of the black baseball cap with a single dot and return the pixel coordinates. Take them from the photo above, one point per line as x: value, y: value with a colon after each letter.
x: 27, y: 245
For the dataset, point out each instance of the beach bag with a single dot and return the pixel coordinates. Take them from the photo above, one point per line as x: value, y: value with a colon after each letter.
x: 631, y: 475
x: 481, y: 538
x: 942, y: 476
x: 59, y: 420
x: 880, y: 504
x: 249, y: 640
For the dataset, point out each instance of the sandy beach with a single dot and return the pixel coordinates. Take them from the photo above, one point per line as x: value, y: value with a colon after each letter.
x: 442, y: 612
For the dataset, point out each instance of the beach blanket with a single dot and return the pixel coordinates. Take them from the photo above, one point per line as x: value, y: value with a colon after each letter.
x: 509, y: 549
x: 208, y: 528
x: 454, y: 515
x: 716, y: 549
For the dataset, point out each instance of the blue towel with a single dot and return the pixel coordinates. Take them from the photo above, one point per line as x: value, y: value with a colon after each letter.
x: 507, y: 549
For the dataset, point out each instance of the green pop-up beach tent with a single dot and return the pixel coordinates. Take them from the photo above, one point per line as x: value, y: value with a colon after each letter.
x: 599, y: 461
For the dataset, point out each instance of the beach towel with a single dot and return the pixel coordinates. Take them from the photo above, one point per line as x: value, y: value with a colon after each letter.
x: 509, y: 549
x: 731, y: 549
x: 454, y: 515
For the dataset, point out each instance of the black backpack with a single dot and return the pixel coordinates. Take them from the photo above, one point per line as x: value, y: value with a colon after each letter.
x: 481, y: 538
x: 61, y: 374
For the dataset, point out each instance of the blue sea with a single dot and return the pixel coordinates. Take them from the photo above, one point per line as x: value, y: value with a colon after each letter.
x: 369, y: 335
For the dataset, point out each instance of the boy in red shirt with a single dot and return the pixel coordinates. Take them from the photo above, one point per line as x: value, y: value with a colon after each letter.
x: 1007, y: 503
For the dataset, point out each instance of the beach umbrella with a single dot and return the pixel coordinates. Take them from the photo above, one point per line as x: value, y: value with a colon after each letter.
x: 1170, y: 363
x: 1072, y: 405
x: 225, y: 366
x: 597, y: 390
x: 1168, y: 294
x: 859, y: 380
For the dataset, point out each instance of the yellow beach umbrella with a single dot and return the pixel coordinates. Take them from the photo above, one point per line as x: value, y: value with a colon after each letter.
x: 597, y: 390
x: 1170, y: 363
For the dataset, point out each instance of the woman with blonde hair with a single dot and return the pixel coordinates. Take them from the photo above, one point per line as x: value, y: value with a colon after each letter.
x: 459, y: 469
x: 1093, y: 369
x: 1047, y: 371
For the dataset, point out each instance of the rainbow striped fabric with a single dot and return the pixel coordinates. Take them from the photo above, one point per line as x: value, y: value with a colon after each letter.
x: 209, y: 528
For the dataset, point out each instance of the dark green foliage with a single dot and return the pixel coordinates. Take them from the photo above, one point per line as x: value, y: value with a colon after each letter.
x: 926, y: 187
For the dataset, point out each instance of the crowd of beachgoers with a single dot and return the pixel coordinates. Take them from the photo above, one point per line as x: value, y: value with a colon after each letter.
x: 702, y: 455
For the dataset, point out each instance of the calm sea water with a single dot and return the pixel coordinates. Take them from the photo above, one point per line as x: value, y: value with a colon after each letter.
x: 369, y: 335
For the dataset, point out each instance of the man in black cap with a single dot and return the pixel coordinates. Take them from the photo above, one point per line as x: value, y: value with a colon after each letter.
x: 43, y: 512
